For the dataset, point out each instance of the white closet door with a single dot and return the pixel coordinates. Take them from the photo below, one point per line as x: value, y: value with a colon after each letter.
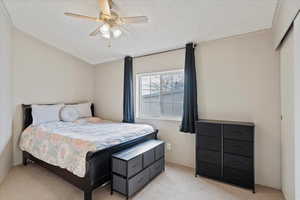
x: 297, y: 104
x: 287, y: 110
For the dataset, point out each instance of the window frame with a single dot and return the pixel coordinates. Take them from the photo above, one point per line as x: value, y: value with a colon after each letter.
x: 137, y: 101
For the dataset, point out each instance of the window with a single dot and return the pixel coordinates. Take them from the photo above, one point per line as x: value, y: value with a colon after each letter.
x: 160, y: 94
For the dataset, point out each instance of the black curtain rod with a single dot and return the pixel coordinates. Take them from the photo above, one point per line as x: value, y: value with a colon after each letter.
x: 155, y: 53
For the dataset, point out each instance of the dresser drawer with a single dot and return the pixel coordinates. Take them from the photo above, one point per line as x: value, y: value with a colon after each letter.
x: 156, y: 168
x: 212, y: 157
x: 135, y: 165
x: 238, y: 177
x: 209, y: 170
x: 209, y: 143
x: 119, y: 184
x: 138, y: 182
x: 119, y: 166
x: 238, y: 162
x: 129, y: 168
x: 208, y: 129
x: 238, y: 132
x: 148, y: 158
x: 243, y: 148
x: 159, y: 151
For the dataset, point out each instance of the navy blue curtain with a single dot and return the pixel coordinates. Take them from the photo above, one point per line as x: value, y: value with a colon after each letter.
x: 190, y: 106
x: 128, y: 101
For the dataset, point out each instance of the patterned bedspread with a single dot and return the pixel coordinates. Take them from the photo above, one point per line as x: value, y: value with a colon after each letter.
x: 65, y: 144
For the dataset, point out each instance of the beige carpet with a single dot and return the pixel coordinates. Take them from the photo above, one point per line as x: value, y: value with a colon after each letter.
x: 176, y: 183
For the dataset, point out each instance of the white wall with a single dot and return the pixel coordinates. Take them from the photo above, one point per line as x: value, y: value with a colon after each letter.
x: 5, y: 92
x: 44, y: 74
x: 238, y: 79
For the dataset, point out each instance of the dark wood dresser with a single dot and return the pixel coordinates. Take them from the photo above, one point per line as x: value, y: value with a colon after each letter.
x: 225, y: 152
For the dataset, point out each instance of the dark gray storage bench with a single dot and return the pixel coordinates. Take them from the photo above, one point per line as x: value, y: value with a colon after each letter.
x: 133, y: 168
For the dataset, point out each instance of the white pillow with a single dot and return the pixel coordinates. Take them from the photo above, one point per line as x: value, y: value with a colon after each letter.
x: 45, y: 113
x: 84, y: 109
x: 69, y: 114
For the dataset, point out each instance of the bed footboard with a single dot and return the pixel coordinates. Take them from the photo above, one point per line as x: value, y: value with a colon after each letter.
x: 98, y: 165
x: 99, y: 162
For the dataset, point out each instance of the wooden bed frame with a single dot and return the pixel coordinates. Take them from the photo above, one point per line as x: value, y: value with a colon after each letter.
x: 98, y: 163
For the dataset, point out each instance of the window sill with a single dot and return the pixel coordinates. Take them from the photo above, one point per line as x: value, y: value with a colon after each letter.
x: 159, y: 118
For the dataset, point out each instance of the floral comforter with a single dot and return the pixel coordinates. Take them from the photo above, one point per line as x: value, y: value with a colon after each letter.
x: 65, y: 144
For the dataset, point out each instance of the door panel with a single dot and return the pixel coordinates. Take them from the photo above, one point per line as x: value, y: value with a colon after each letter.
x: 287, y: 114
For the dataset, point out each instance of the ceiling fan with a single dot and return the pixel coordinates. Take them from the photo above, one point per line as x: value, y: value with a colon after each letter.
x: 111, y: 22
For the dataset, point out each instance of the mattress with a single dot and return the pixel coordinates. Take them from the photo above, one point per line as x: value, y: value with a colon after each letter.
x: 65, y: 144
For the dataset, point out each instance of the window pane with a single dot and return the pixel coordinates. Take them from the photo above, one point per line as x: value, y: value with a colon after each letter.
x: 154, y: 109
x: 145, y: 92
x: 155, y: 83
x: 144, y: 108
x: 155, y: 97
x: 166, y: 83
x: 146, y: 96
x: 145, y: 82
x: 161, y: 94
x: 172, y: 97
x: 172, y: 103
x: 150, y: 109
x: 178, y: 81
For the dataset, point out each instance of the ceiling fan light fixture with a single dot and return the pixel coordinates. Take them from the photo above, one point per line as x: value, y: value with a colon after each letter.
x: 117, y: 33
x: 106, y: 35
x: 105, y: 28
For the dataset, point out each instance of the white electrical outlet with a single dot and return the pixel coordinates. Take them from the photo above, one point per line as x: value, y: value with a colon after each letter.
x: 169, y: 147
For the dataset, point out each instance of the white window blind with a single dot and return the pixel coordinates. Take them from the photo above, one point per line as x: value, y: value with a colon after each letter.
x: 160, y: 94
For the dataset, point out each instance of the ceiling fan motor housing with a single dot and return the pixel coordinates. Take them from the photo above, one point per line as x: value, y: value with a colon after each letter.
x: 112, y: 19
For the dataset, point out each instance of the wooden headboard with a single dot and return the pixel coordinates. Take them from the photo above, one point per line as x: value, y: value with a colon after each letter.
x: 27, y: 116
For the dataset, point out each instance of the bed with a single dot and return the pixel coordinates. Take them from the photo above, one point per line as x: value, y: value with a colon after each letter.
x: 97, y: 162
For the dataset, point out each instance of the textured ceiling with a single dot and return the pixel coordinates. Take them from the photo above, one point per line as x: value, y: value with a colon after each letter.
x: 172, y: 24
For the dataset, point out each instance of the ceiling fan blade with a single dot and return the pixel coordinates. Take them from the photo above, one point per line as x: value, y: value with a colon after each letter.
x: 95, y: 32
x: 82, y: 17
x: 124, y: 29
x: 105, y: 7
x: 134, y: 20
